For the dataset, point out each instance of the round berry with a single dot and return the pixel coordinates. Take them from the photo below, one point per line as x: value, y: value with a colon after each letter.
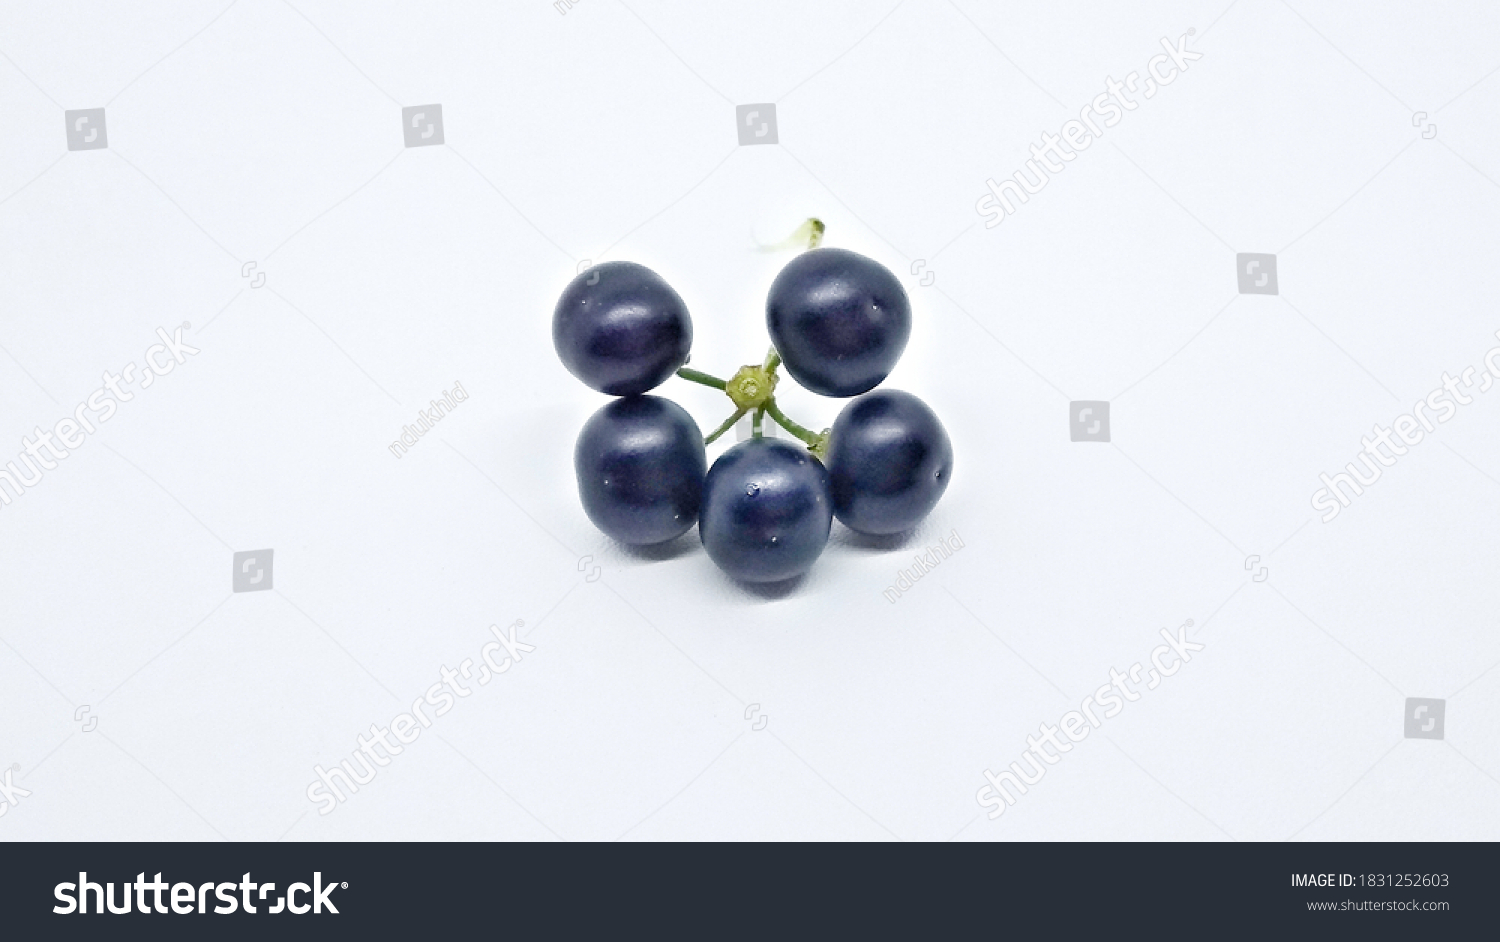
x: 640, y: 464
x: 839, y: 321
x: 889, y: 461
x: 621, y: 329
x: 766, y: 511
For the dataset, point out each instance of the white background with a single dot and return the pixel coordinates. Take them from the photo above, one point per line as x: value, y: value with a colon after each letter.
x: 271, y: 133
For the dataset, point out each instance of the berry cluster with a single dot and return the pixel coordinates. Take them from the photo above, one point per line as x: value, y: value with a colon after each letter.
x: 838, y: 323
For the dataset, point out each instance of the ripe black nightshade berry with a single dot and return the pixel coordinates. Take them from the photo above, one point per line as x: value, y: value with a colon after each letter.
x: 839, y: 321
x: 889, y: 460
x: 640, y: 464
x: 621, y: 329
x: 766, y: 511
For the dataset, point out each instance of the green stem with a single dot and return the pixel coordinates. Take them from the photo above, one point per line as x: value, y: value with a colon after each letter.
x: 815, y: 232
x: 755, y: 422
x: 728, y: 424
x: 773, y: 360
x: 807, y: 436
x: 699, y: 377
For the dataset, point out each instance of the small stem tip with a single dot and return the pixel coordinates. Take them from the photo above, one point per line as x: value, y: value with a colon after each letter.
x: 808, y: 235
x: 815, y: 230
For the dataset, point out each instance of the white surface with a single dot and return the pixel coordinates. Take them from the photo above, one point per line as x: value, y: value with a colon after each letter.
x: 273, y: 135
